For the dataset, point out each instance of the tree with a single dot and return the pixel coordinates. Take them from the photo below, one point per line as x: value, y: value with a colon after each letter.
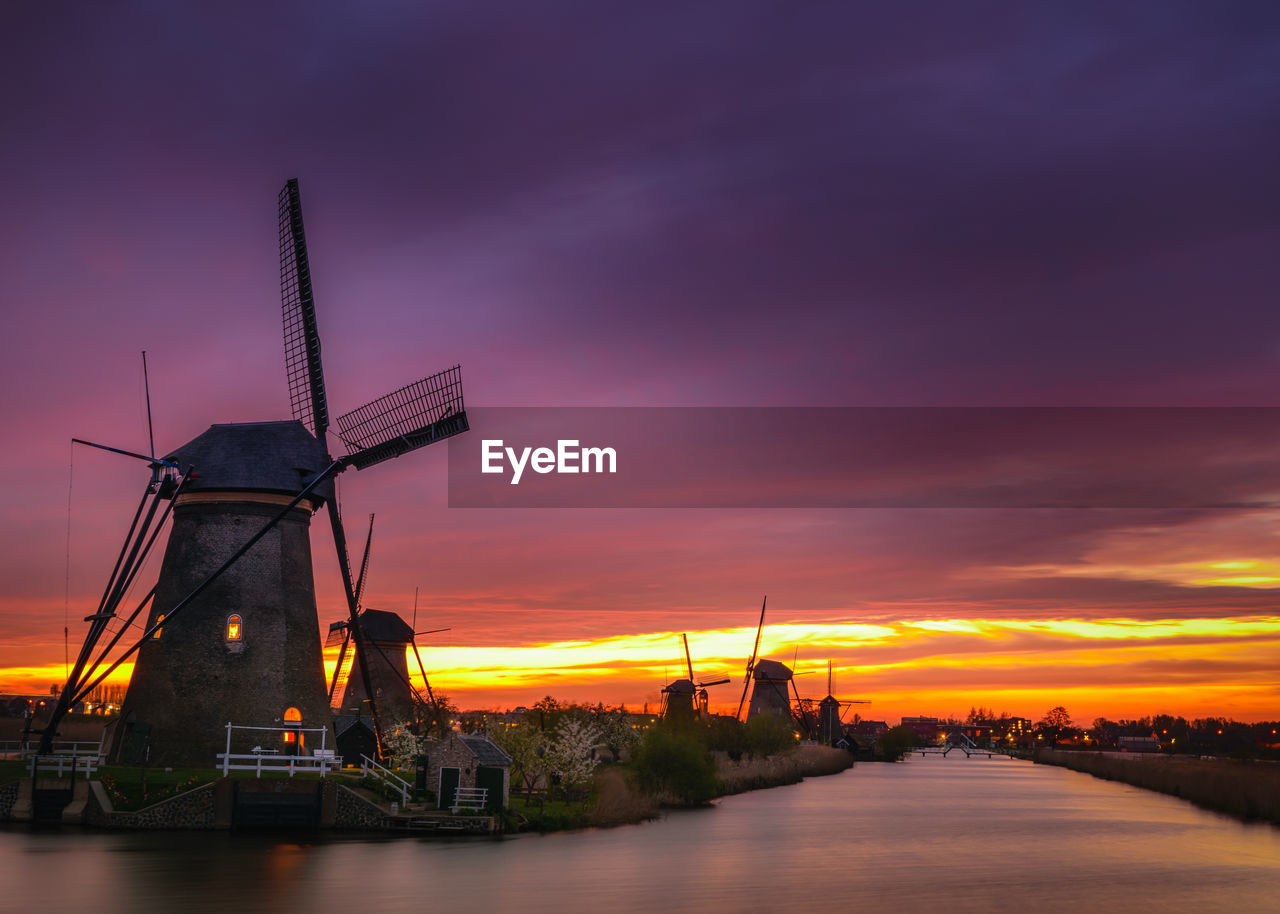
x: 1054, y: 723
x: 674, y: 762
x: 895, y: 743
x: 571, y: 757
x: 769, y: 734
x: 435, y: 718
x: 727, y: 735
x: 400, y: 740
x: 527, y: 747
x: 617, y: 731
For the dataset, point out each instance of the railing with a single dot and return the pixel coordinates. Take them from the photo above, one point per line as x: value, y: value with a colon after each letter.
x: 371, y: 768
x: 25, y: 748
x: 259, y: 762
x: 64, y: 764
x: 470, y: 798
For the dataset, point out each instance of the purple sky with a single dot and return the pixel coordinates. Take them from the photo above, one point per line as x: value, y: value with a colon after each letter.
x: 694, y: 204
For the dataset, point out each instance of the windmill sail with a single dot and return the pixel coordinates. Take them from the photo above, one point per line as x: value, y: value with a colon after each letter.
x: 422, y: 413
x: 301, y: 338
x: 346, y: 659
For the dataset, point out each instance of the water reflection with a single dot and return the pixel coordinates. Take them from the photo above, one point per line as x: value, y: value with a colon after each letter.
x: 964, y: 834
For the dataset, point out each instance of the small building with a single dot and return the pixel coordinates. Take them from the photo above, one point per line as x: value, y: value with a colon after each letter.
x: 468, y: 760
x: 355, y: 738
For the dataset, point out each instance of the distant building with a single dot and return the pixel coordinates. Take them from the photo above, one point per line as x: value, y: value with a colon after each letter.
x: 870, y: 729
x: 925, y: 728
x: 1138, y: 744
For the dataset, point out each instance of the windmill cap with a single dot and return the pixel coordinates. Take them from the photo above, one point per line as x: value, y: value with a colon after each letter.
x: 381, y: 625
x: 771, y: 670
x: 279, y: 457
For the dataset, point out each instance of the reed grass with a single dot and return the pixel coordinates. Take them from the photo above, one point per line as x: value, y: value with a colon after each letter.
x: 1244, y: 789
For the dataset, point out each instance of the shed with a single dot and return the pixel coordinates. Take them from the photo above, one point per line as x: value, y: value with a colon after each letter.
x: 355, y: 738
x: 469, y: 760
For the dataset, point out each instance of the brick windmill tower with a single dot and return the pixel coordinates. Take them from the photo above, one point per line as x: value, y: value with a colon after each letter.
x: 232, y: 632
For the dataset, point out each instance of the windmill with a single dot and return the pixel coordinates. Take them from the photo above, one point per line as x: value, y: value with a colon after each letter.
x: 232, y: 631
x: 823, y: 720
x: 687, y: 698
x: 770, y: 680
x: 383, y: 639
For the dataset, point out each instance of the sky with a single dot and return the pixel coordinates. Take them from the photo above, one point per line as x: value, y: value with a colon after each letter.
x: 673, y: 205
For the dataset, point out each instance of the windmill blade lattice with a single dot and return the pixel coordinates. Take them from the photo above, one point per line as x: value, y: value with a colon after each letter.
x: 414, y: 416
x: 301, y: 338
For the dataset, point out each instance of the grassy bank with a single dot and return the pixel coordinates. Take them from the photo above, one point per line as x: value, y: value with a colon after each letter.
x: 776, y: 770
x: 617, y: 800
x: 1246, y: 790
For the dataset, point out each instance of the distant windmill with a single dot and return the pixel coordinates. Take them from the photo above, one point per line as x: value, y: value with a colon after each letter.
x: 687, y: 698
x: 823, y: 720
x: 232, y: 633
x: 382, y: 639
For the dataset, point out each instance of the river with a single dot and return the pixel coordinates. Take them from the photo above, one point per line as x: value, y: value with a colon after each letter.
x: 956, y: 834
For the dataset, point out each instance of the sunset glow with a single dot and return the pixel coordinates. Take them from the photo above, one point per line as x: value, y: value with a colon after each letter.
x: 1034, y: 253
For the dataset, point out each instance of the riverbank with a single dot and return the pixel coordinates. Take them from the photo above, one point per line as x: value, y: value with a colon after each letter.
x: 1246, y: 790
x: 620, y: 802
x: 778, y: 770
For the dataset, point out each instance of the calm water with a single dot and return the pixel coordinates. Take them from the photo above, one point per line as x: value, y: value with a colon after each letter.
x: 958, y: 834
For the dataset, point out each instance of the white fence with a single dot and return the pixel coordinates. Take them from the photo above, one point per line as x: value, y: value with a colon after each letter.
x: 473, y: 798
x: 260, y: 759
x: 25, y: 748
x: 64, y: 765
x: 259, y: 762
x: 371, y: 768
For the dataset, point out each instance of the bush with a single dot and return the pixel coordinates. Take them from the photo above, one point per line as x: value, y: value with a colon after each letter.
x: 727, y: 735
x: 769, y: 734
x: 897, y: 742
x: 676, y: 763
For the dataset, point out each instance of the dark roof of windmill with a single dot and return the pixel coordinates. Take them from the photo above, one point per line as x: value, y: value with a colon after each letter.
x: 344, y: 722
x: 485, y: 750
x: 829, y: 700
x: 256, y: 456
x: 380, y: 625
x: 681, y: 687
x: 771, y: 670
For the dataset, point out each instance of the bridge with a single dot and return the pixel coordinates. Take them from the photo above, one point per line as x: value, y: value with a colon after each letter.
x: 957, y: 738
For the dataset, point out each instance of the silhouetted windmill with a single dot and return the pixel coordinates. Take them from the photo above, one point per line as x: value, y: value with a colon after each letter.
x: 770, y: 678
x: 383, y: 639
x: 687, y: 698
x: 823, y: 720
x: 232, y: 632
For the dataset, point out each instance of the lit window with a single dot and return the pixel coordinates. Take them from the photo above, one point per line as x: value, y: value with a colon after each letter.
x: 234, y: 628
x: 292, y: 716
x: 159, y: 619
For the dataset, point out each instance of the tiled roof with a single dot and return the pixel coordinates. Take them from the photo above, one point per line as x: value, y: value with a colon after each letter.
x: 485, y: 750
x: 260, y: 456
